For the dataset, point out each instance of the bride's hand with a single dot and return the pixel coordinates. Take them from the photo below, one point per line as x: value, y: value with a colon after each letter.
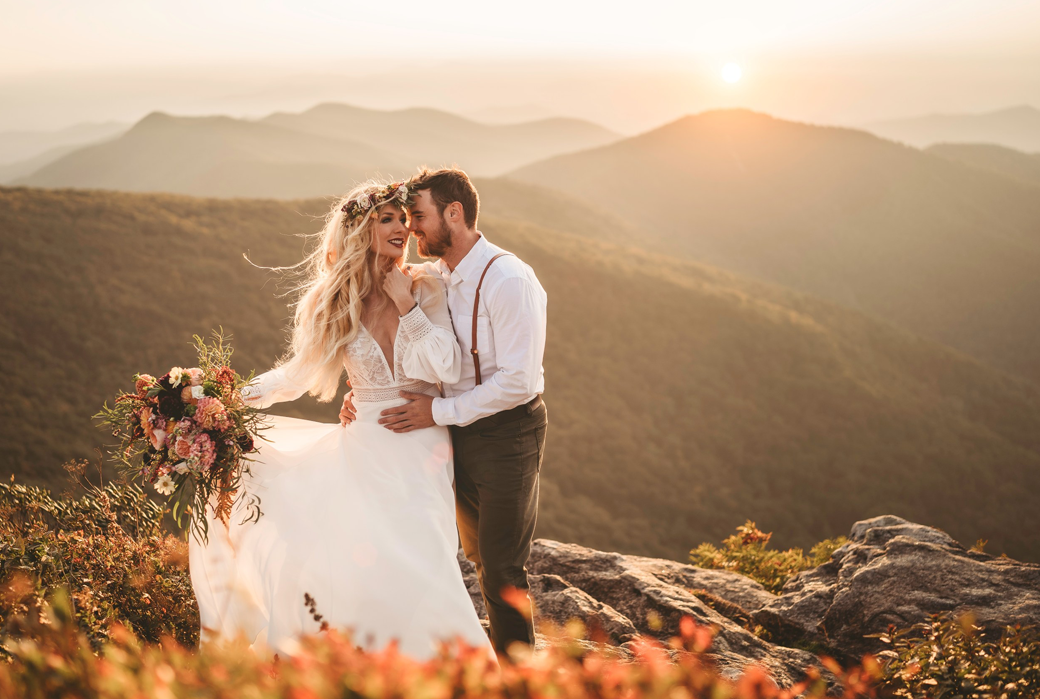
x: 398, y: 286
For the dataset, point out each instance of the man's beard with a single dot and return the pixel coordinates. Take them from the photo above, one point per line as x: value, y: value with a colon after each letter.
x: 434, y: 243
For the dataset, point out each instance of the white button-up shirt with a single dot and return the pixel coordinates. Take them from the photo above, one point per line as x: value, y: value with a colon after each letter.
x: 510, y: 335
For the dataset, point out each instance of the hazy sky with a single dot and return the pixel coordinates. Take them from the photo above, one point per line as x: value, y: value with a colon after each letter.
x: 628, y: 65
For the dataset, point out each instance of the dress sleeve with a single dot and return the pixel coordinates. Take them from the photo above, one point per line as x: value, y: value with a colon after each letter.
x: 433, y: 353
x: 274, y: 386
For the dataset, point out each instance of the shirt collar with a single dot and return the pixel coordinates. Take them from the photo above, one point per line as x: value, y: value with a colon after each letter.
x: 472, y: 264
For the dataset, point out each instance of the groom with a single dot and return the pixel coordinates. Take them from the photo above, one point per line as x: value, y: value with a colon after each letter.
x: 495, y: 412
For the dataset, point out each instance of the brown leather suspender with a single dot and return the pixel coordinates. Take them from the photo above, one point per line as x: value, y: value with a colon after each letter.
x: 476, y: 309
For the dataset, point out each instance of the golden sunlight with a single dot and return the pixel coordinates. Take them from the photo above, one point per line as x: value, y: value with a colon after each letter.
x: 731, y: 72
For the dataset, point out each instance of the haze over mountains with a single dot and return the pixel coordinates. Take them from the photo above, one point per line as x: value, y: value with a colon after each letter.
x: 943, y: 249
x: 319, y: 152
x: 1006, y: 161
x: 683, y: 399
x: 1015, y: 127
x: 22, y: 145
x: 436, y: 137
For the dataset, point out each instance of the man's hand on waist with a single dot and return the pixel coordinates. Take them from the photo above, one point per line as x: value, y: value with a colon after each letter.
x: 416, y: 414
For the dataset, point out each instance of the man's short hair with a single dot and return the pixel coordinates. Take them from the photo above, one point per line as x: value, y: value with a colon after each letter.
x: 449, y: 185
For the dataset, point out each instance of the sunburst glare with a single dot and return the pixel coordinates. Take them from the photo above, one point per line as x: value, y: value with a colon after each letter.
x: 731, y: 72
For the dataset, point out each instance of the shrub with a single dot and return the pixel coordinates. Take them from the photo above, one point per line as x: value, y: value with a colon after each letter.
x: 747, y: 552
x: 23, y: 508
x: 140, y: 581
x: 50, y: 659
x: 949, y: 656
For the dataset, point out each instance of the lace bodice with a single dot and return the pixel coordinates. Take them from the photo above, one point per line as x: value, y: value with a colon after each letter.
x: 371, y: 378
x: 426, y: 353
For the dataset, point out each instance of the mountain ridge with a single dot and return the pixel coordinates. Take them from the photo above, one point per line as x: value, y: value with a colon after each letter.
x: 1015, y: 127
x: 322, y: 151
x: 939, y: 247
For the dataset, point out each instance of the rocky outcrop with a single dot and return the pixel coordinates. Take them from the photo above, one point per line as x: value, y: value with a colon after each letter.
x: 896, y: 572
x: 618, y: 597
x: 890, y: 572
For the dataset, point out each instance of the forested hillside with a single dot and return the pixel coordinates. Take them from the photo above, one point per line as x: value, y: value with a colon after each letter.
x: 682, y: 399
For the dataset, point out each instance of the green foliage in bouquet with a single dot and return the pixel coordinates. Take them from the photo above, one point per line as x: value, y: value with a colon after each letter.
x: 949, y: 656
x: 747, y: 552
x: 108, y: 554
x: 188, y: 434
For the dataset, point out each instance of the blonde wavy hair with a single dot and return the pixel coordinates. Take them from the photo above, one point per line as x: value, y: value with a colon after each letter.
x: 336, y: 277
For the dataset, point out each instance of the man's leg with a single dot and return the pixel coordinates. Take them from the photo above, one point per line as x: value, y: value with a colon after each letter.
x: 467, y: 510
x: 504, y: 462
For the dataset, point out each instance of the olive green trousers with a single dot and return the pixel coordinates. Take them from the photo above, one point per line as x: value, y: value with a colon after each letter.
x: 497, y: 462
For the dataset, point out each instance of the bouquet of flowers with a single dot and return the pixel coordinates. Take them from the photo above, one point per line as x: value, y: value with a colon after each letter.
x: 188, y: 433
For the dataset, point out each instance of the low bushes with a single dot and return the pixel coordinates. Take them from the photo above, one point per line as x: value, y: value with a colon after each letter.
x: 747, y: 552
x: 948, y: 656
x: 108, y: 550
x: 51, y: 658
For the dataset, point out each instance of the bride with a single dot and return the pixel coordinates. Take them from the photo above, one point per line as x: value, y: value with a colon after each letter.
x: 358, y: 517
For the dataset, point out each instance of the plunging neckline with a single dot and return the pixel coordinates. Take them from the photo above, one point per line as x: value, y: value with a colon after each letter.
x: 390, y: 367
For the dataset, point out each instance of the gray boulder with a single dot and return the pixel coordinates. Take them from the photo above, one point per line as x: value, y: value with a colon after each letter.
x: 895, y: 572
x: 651, y: 597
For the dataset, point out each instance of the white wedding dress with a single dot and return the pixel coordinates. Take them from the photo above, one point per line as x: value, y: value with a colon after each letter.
x: 360, y: 518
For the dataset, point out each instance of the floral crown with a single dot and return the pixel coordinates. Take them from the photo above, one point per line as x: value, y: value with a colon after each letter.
x: 360, y: 205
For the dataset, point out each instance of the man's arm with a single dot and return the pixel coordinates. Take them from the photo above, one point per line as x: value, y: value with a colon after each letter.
x: 517, y: 312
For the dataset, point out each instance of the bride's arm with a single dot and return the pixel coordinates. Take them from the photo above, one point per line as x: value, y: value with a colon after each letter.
x: 274, y: 386
x: 433, y: 353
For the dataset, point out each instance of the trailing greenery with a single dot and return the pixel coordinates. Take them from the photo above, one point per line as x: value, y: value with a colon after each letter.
x: 949, y: 657
x: 747, y: 552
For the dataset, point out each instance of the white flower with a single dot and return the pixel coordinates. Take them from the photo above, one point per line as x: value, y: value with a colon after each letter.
x: 176, y: 374
x: 165, y: 485
x: 181, y: 467
x: 402, y: 192
x: 197, y: 392
x: 364, y: 203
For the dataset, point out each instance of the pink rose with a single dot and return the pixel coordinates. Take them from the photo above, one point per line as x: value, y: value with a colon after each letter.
x: 158, y: 438
x: 182, y: 447
x: 196, y: 376
x: 187, y: 397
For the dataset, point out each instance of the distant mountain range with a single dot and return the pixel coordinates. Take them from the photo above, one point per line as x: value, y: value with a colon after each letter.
x: 1015, y: 127
x: 319, y: 152
x: 429, y: 136
x: 942, y: 242
x: 1006, y: 161
x: 682, y: 398
x: 16, y: 146
x: 946, y: 250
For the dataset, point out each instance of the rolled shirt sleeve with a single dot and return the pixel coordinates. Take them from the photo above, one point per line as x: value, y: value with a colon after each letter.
x: 517, y: 313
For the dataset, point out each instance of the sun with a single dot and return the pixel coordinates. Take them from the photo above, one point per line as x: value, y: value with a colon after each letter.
x: 731, y: 72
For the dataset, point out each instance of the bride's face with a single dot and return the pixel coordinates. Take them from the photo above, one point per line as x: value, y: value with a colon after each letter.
x: 390, y: 232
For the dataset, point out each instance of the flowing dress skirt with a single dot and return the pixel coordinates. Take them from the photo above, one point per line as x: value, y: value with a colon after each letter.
x: 358, y: 517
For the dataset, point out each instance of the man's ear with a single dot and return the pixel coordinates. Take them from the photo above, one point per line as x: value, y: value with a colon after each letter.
x: 454, y: 211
